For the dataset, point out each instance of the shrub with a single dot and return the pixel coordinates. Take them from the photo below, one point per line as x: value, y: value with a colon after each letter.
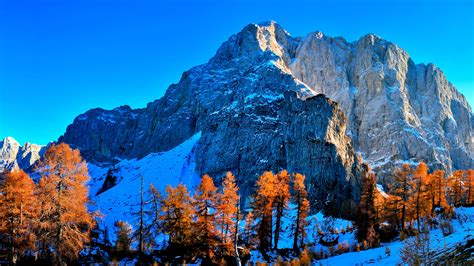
x: 416, y: 250
x: 305, y: 260
x: 446, y: 227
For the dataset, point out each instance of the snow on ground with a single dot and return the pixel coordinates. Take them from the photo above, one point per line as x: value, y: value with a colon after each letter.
x: 160, y: 169
x: 464, y: 230
x: 463, y: 226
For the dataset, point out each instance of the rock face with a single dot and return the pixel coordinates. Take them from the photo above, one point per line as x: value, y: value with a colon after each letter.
x: 241, y: 102
x: 13, y: 156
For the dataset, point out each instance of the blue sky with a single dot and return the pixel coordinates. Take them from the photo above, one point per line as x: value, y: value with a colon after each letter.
x: 60, y: 58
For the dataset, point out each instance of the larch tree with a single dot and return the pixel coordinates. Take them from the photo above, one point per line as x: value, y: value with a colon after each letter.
x: 456, y: 188
x: 177, y: 216
x: 401, y: 191
x: 18, y: 212
x: 65, y: 221
x: 469, y: 186
x: 123, y: 232
x: 282, y: 197
x: 248, y: 234
x: 206, y: 202
x: 227, y: 210
x: 154, y: 227
x: 436, y: 187
x: 300, y: 199
x: 366, y: 218
x: 421, y: 202
x: 263, y: 208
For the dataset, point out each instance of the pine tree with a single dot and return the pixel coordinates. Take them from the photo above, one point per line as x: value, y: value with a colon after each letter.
x: 300, y: 199
x: 18, y: 212
x: 206, y: 201
x: 65, y: 221
x: 282, y: 197
x: 421, y: 203
x: 263, y: 207
x: 401, y: 191
x: 227, y: 209
x: 455, y: 188
x: 178, y: 216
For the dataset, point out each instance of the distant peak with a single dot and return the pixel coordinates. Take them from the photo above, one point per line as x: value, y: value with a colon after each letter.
x: 10, y: 140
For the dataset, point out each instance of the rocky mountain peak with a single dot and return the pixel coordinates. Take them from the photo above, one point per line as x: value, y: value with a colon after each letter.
x: 397, y: 111
x: 14, y: 156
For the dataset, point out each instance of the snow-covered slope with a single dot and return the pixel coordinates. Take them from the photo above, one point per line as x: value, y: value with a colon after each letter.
x: 160, y: 169
x: 463, y: 232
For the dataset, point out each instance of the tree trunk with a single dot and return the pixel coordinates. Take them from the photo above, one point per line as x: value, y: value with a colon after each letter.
x: 297, y: 229
x: 279, y: 213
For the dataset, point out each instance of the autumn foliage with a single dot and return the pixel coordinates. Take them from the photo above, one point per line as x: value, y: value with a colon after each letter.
x: 51, y: 217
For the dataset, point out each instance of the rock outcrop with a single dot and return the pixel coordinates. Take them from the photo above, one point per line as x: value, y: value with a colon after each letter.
x: 14, y: 156
x: 397, y: 111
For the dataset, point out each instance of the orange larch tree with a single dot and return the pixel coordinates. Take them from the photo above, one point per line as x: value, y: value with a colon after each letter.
x: 263, y: 208
x: 421, y: 202
x: 366, y: 218
x: 18, y: 212
x: 227, y: 210
x: 249, y: 236
x: 401, y: 191
x: 437, y: 187
x: 282, y: 197
x: 65, y: 221
x: 177, y: 216
x: 206, y: 202
x: 455, y: 188
x: 469, y: 187
x: 300, y: 199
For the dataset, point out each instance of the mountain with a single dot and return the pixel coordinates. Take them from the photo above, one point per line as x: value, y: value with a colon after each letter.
x: 268, y: 101
x: 14, y: 156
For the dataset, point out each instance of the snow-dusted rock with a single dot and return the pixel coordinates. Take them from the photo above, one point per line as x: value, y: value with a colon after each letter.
x: 397, y: 111
x: 14, y: 156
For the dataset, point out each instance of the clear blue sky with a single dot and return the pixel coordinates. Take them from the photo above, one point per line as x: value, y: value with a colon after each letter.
x: 61, y: 58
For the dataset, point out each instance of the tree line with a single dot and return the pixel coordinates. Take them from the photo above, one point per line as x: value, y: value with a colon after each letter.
x: 49, y: 221
x: 415, y: 200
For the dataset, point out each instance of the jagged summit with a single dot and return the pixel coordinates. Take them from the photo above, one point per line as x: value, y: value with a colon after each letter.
x: 397, y: 111
x: 14, y: 156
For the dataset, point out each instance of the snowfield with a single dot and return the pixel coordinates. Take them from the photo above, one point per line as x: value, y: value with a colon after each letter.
x: 160, y: 169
